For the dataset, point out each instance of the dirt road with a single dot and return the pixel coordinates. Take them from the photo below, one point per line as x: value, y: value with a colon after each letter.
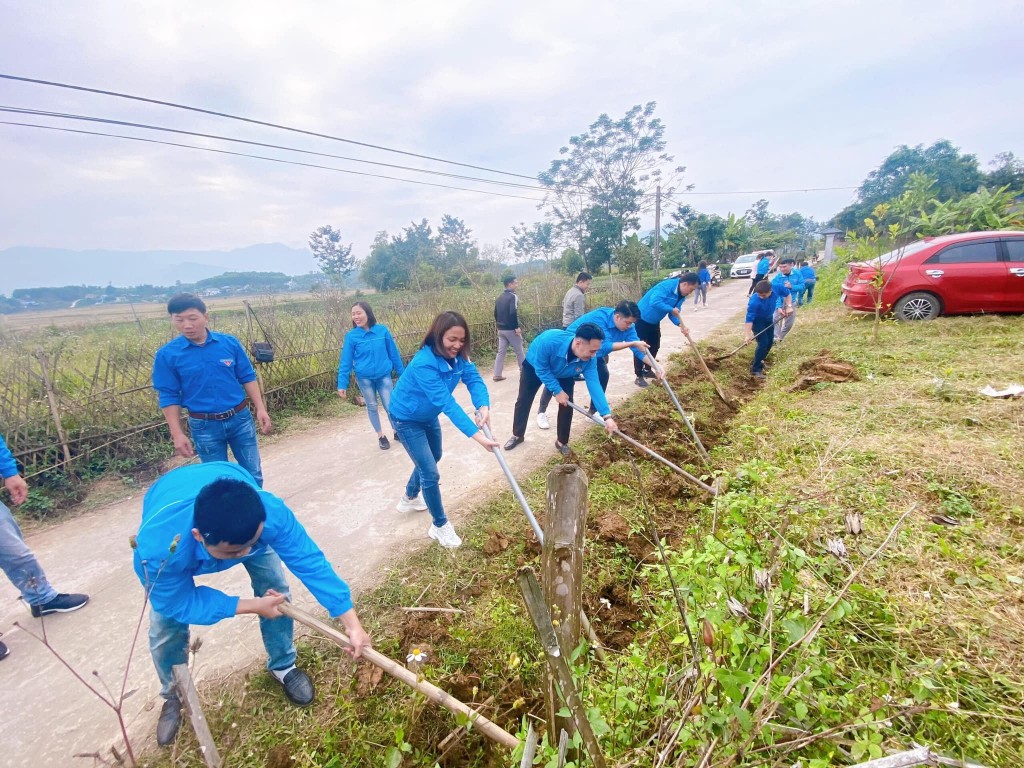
x: 343, y: 489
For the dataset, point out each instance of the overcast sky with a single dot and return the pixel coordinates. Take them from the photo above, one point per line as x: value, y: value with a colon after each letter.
x: 755, y: 96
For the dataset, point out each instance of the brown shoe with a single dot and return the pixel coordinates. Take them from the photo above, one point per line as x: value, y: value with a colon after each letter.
x: 497, y: 378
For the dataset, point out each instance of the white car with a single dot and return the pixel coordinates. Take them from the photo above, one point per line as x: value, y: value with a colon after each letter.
x: 744, y: 265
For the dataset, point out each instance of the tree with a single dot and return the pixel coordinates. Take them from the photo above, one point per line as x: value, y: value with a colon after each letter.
x: 531, y: 242
x: 603, y: 236
x: 736, y: 237
x: 633, y: 258
x: 615, y: 167
x: 571, y: 263
x: 709, y: 232
x: 458, y: 250
x: 1007, y: 171
x: 335, y: 258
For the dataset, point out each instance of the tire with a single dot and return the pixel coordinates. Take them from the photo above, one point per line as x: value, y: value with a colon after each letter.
x: 917, y: 306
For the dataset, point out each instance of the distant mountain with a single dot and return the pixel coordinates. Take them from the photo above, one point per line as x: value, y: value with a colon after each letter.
x: 31, y: 267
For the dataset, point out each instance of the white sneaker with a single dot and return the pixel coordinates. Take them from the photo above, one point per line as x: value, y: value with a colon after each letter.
x: 445, y: 536
x: 542, y: 421
x: 411, y: 505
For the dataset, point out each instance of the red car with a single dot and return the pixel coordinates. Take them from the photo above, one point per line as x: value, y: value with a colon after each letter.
x: 947, y: 275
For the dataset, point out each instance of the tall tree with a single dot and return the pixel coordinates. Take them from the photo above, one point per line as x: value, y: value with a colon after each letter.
x: 534, y: 241
x: 614, y: 166
x: 458, y: 250
x: 1007, y: 171
x: 335, y: 258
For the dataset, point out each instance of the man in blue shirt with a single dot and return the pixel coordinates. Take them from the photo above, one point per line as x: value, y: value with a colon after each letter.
x: 554, y: 360
x: 790, y: 278
x: 764, y: 266
x: 810, y: 278
x: 664, y: 298
x: 18, y: 561
x: 209, y: 374
x: 205, y: 518
x: 761, y: 312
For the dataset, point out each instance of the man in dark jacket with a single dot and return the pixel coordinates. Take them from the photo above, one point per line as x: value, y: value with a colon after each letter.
x: 506, y: 316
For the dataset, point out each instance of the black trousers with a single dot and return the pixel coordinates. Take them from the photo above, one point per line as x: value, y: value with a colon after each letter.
x: 754, y: 281
x: 602, y: 375
x: 529, y: 383
x: 652, y: 335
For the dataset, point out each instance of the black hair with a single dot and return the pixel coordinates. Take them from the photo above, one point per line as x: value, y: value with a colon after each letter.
x: 763, y: 286
x: 628, y: 309
x: 371, y: 319
x: 583, y: 277
x: 228, y: 511
x: 703, y: 265
x: 589, y: 332
x: 509, y: 279
x: 441, y: 325
x: 801, y: 263
x: 688, y: 277
x: 184, y: 302
x: 787, y: 260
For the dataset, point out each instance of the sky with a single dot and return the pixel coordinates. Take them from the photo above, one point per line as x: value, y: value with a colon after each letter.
x: 754, y: 95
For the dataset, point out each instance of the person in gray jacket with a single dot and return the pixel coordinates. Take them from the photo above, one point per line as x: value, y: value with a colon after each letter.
x: 574, y: 306
x: 506, y: 317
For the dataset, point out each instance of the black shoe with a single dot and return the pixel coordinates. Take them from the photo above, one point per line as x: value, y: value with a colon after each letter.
x: 512, y: 442
x: 397, y: 438
x: 382, y: 441
x: 563, y: 449
x: 298, y: 688
x: 591, y: 410
x: 4, y: 650
x: 169, y: 723
x: 641, y: 382
x: 62, y: 603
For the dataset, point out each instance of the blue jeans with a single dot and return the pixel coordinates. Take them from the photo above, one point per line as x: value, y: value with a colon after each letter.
x: 422, y: 441
x: 20, y: 565
x: 212, y: 439
x: 809, y: 287
x: 168, y: 638
x: 764, y: 343
x: 798, y: 297
x: 370, y: 389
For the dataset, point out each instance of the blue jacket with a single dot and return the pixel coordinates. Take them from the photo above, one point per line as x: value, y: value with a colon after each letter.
x: 603, y: 318
x: 425, y: 390
x: 167, y: 516
x: 764, y: 309
x: 660, y: 300
x: 8, y: 466
x: 808, y: 274
x: 373, y: 353
x: 795, y: 280
x: 764, y: 264
x: 704, y: 275
x: 551, y: 356
x: 204, y: 379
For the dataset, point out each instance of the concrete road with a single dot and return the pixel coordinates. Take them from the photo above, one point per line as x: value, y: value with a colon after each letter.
x: 343, y: 489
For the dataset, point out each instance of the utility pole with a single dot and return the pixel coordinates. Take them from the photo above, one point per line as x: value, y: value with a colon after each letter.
x: 657, y: 231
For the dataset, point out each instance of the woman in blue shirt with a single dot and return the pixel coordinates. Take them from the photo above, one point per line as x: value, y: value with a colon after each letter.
x: 703, y: 281
x: 425, y: 391
x: 370, y: 349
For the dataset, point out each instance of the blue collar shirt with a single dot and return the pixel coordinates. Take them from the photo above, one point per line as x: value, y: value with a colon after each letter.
x: 764, y: 309
x: 372, y: 353
x: 424, y: 390
x: 604, y: 318
x: 764, y: 265
x: 8, y: 466
x: 660, y: 300
x: 795, y: 280
x: 168, y: 558
x: 551, y: 356
x: 205, y: 378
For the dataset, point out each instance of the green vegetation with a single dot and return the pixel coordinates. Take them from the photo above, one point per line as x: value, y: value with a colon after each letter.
x: 908, y: 633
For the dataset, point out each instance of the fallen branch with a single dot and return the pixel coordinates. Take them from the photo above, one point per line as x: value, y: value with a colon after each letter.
x: 425, y: 609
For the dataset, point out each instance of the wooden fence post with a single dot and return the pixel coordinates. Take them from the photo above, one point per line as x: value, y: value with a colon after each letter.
x: 562, y: 568
x: 51, y: 398
x: 190, y: 699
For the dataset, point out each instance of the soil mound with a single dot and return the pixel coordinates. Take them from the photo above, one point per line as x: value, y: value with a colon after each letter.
x: 824, y: 368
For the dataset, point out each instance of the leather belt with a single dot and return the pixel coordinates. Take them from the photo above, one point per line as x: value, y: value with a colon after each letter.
x: 219, y: 416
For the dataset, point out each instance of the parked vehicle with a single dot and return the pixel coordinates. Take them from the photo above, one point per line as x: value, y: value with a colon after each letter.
x: 745, y: 264
x: 714, y: 269
x: 948, y: 275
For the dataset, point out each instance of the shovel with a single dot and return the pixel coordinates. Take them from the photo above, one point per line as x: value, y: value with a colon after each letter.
x: 637, y: 444
x: 707, y: 371
x: 689, y: 424
x: 584, y: 621
x: 720, y: 358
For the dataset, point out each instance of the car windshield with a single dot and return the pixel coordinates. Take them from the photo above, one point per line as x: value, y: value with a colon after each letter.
x: 747, y: 258
x: 893, y: 257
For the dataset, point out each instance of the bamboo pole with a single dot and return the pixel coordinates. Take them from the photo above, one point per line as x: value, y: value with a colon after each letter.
x: 51, y: 398
x: 190, y: 698
x: 397, y: 671
x: 637, y: 444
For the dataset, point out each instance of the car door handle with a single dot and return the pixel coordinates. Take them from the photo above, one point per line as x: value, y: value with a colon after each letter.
x: 1018, y: 271
x: 934, y: 272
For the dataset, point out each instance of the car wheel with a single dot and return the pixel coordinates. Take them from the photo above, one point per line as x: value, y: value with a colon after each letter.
x: 917, y: 306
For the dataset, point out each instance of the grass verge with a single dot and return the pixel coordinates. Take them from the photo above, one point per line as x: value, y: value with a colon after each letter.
x: 804, y: 656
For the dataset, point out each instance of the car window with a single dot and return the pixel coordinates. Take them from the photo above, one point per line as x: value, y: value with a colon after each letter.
x: 746, y: 258
x: 1015, y: 250
x: 900, y: 253
x: 966, y: 253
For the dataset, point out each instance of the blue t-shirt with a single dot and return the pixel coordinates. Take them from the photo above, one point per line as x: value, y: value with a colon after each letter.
x: 373, y: 353
x: 808, y: 274
x: 8, y: 466
x: 764, y: 309
x: 205, y: 378
x: 763, y: 265
x: 703, y: 275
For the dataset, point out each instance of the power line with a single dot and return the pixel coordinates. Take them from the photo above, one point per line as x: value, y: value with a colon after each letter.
x: 128, y: 124
x: 227, y: 115
x: 761, y: 191
x: 264, y: 157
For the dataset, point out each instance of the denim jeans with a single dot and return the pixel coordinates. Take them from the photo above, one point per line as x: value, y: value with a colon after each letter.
x: 212, y: 439
x: 764, y: 344
x: 422, y: 441
x: 169, y: 639
x: 20, y: 565
x: 809, y: 287
x: 798, y: 297
x: 701, y: 296
x: 370, y: 389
